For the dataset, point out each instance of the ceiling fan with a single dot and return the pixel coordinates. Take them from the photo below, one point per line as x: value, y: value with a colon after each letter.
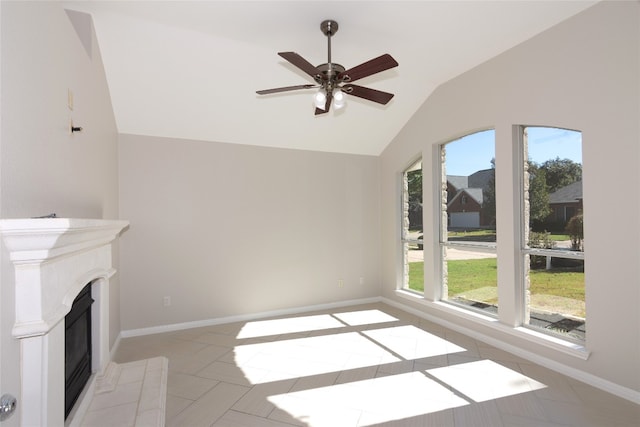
x: 333, y: 80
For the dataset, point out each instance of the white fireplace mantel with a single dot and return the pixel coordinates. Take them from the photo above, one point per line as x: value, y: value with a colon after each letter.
x: 36, y: 239
x: 53, y: 259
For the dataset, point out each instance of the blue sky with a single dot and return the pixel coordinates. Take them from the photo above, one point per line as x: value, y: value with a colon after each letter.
x: 474, y: 152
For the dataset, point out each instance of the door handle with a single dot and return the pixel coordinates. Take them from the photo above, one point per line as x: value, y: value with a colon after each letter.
x: 7, y: 406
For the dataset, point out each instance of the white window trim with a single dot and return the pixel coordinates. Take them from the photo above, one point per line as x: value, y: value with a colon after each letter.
x: 404, y: 240
x: 521, y: 158
x: 510, y: 320
x: 435, y: 308
x: 442, y: 240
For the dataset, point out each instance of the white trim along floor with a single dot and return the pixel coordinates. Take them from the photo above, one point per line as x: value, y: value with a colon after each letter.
x: 362, y: 365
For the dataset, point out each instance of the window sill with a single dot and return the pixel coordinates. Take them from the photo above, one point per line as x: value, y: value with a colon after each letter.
x: 554, y: 343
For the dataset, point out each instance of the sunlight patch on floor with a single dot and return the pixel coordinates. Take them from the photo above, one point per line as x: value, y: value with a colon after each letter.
x: 410, y: 342
x: 364, y: 317
x: 485, y: 380
x: 377, y: 400
x: 263, y: 328
x: 299, y: 357
x: 381, y: 398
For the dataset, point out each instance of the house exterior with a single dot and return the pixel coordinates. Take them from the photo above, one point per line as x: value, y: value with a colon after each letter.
x: 465, y: 198
x: 565, y: 202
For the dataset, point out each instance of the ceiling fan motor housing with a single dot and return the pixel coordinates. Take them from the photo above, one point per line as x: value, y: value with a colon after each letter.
x: 329, y: 75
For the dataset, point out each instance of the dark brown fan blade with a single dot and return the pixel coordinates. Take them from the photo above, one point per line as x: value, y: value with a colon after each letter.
x: 301, y: 63
x: 284, y: 89
x: 376, y: 65
x: 366, y: 93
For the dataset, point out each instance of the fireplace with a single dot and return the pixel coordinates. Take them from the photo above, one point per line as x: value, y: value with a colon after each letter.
x: 77, y: 348
x: 55, y: 260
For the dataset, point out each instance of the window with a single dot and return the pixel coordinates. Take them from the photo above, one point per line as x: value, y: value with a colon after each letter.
x: 468, y: 235
x: 412, y: 237
x: 552, y: 232
x: 541, y: 285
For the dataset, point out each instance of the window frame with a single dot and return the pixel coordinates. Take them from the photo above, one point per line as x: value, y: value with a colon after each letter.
x: 443, y: 239
x: 525, y: 252
x: 509, y: 213
x: 405, y: 240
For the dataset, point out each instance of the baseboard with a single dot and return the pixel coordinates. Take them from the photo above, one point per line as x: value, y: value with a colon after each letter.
x: 241, y: 318
x: 115, y: 346
x: 585, y: 377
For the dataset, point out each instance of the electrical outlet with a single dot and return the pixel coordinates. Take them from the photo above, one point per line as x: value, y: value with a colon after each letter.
x: 166, y: 301
x: 340, y: 283
x: 362, y: 280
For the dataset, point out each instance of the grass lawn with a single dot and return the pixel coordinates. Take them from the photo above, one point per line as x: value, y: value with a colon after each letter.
x: 472, y: 236
x: 559, y: 289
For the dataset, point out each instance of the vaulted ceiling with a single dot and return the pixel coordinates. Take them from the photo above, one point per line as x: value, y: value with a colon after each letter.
x: 190, y: 69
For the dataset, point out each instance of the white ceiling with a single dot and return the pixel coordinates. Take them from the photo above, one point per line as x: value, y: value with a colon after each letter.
x: 190, y: 69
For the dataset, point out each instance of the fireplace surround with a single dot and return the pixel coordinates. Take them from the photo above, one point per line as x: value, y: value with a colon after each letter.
x: 54, y: 259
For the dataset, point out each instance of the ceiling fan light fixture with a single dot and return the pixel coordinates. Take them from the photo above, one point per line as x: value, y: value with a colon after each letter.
x: 320, y: 98
x: 339, y: 100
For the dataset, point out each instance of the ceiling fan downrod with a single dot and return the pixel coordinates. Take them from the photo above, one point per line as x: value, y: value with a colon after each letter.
x: 330, y: 71
x: 329, y: 27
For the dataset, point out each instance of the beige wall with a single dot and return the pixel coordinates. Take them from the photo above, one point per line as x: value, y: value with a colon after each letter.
x: 228, y: 230
x: 43, y: 168
x: 584, y: 75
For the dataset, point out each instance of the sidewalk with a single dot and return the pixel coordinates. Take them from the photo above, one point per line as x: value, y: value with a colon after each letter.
x: 417, y: 255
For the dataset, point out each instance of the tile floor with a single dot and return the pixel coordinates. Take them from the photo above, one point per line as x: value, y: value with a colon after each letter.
x: 128, y: 394
x: 368, y: 365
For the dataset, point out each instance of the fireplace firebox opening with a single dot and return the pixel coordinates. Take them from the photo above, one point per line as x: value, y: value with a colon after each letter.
x: 77, y: 360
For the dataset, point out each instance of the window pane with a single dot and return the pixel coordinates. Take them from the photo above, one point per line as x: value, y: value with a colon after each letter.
x: 557, y: 302
x: 413, y: 270
x: 472, y: 279
x: 468, y: 232
x: 554, y: 237
x: 470, y: 189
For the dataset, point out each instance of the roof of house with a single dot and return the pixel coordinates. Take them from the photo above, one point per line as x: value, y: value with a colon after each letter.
x: 475, y: 193
x: 480, y: 179
x: 568, y: 194
x: 458, y: 181
x: 473, y: 184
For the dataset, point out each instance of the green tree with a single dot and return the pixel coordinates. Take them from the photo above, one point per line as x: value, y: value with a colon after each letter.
x: 575, y: 231
x: 560, y: 173
x: 489, y: 195
x: 539, y: 208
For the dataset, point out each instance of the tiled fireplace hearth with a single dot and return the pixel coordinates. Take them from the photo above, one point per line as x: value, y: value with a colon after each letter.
x: 54, y: 259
